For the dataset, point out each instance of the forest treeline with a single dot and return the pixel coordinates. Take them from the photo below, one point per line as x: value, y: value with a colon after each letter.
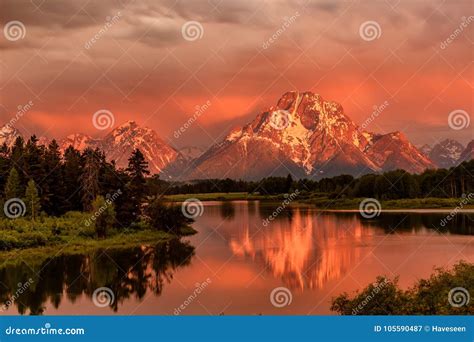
x: 442, y: 183
x: 51, y: 184
x: 73, y: 181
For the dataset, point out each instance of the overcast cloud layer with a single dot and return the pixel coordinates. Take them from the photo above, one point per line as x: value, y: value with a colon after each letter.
x: 142, y: 68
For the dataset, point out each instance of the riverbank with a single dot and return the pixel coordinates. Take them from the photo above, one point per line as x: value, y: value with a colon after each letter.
x: 70, y: 234
x: 322, y: 201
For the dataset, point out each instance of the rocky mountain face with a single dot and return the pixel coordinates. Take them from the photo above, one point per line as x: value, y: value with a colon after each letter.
x: 309, y: 137
x: 303, y: 134
x: 446, y: 153
x: 425, y: 149
x: 117, y: 145
x: 468, y: 153
x: 8, y: 135
x: 190, y: 153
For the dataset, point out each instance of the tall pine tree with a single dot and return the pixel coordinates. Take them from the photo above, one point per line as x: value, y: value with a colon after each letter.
x: 137, y: 170
x: 32, y: 200
x: 13, y: 187
x: 89, y: 179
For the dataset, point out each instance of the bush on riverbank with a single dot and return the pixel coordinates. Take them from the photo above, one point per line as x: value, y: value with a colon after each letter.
x: 446, y: 292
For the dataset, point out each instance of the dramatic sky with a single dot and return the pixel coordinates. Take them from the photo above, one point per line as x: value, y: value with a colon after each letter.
x: 142, y: 66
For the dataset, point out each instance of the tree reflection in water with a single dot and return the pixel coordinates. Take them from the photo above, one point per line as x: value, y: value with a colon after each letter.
x: 128, y: 272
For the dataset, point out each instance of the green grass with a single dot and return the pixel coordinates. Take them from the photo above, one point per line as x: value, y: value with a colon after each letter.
x: 322, y: 201
x: 220, y: 196
x: 70, y: 232
x: 409, y: 203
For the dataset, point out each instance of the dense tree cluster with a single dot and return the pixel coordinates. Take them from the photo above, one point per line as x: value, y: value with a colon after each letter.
x: 397, y: 184
x: 442, y: 183
x: 54, y: 184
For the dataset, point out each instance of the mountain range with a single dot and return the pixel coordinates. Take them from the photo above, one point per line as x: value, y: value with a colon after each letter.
x: 303, y: 134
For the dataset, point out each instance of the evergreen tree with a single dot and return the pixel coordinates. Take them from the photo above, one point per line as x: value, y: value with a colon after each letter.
x: 73, y: 165
x: 137, y: 170
x: 104, y: 214
x: 33, y: 157
x: 5, y: 165
x: 54, y: 195
x: 13, y: 188
x: 289, y: 183
x: 32, y: 200
x: 89, y: 179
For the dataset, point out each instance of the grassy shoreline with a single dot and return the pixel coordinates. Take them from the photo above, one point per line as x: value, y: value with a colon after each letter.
x: 321, y: 201
x: 48, y: 236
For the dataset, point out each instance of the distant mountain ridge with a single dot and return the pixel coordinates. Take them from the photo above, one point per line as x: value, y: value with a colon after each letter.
x: 303, y: 134
x: 317, y: 140
x: 117, y: 145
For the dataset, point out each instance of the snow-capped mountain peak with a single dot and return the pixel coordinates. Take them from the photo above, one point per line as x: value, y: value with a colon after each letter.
x: 306, y: 135
x: 8, y: 135
x: 446, y: 153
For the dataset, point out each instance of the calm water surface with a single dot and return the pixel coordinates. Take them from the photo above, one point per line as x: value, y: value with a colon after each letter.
x: 238, y: 262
